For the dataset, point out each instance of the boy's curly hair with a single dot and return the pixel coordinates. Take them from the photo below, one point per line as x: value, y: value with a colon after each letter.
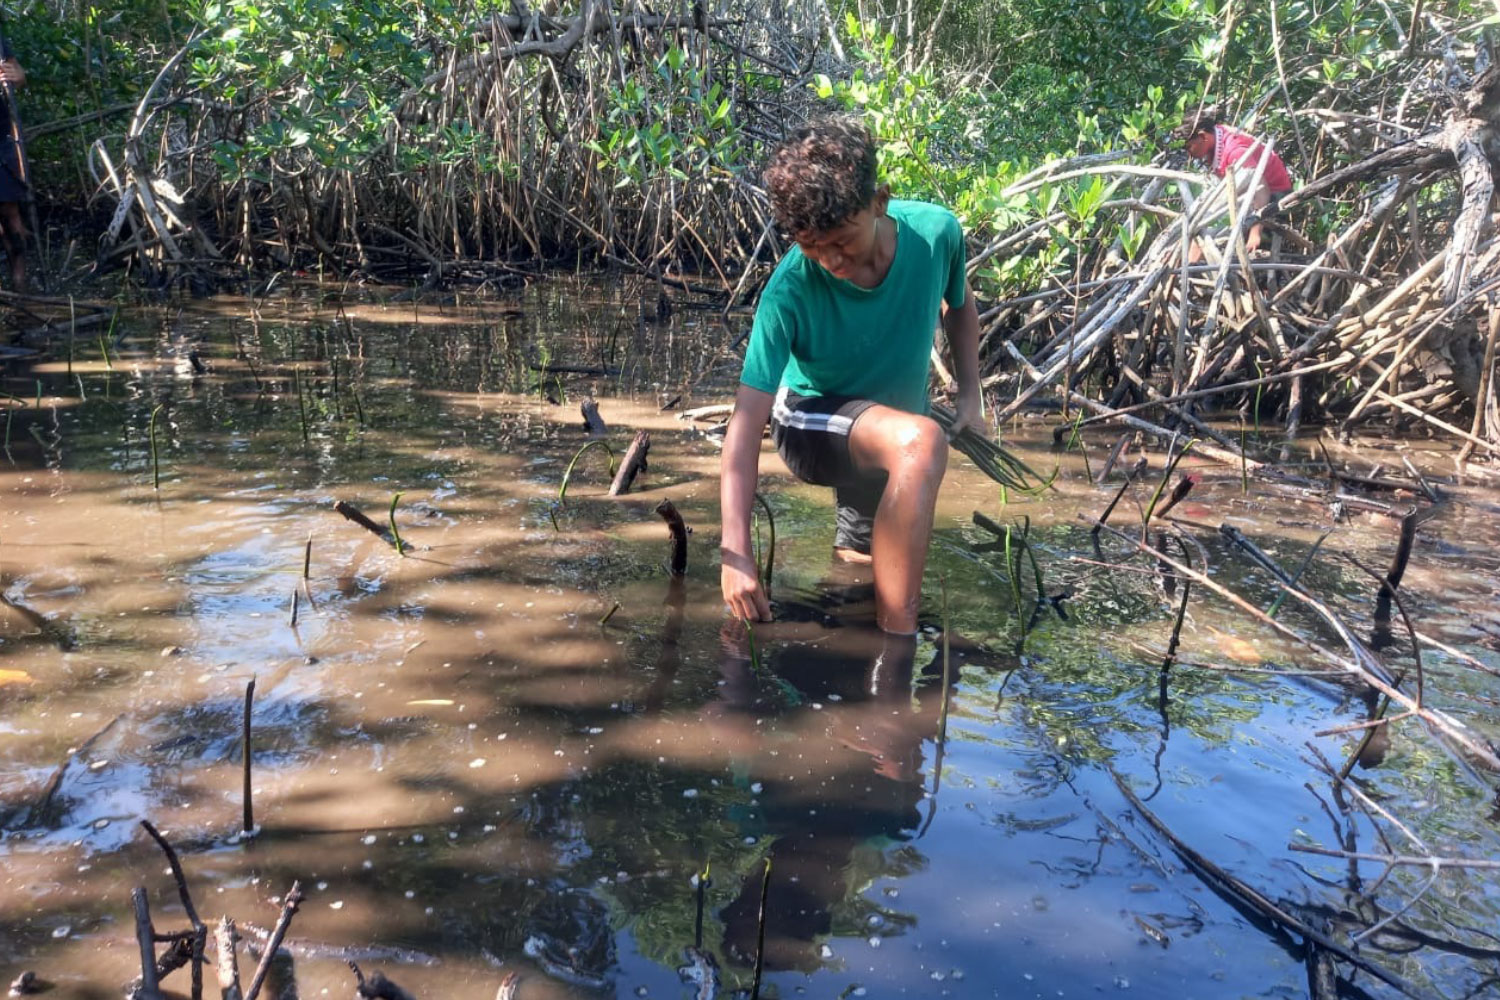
x: 821, y: 175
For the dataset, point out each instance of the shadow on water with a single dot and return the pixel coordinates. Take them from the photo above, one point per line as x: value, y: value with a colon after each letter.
x: 520, y: 745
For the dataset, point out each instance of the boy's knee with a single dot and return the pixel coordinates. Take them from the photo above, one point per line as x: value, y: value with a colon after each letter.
x: 921, y: 445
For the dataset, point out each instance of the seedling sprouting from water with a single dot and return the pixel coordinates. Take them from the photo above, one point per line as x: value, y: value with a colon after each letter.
x: 562, y: 491
x: 770, y: 549
x: 155, y: 460
x: 396, y: 532
x: 1166, y: 477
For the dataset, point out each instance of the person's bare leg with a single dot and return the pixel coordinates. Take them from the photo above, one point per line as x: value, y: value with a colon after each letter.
x: 913, y: 452
x: 15, y: 244
x: 1261, y: 200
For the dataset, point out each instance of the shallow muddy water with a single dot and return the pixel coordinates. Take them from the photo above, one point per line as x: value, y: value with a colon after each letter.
x: 517, y: 746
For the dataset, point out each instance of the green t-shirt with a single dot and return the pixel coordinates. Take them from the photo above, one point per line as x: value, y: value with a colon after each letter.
x: 819, y: 335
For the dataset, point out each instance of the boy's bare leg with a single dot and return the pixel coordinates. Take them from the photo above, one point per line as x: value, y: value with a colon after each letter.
x: 913, y: 452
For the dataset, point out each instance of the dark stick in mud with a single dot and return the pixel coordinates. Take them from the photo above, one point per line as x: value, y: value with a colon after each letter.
x: 668, y: 512
x: 288, y: 910
x: 200, y: 932
x: 144, y: 936
x: 760, y: 932
x: 307, y: 557
x: 609, y: 614
x: 247, y: 816
x: 353, y: 513
x: 633, y: 462
x: 292, y: 609
x: 1176, y: 637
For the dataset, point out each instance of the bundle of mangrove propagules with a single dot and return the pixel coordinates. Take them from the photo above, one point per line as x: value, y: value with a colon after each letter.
x: 991, y: 458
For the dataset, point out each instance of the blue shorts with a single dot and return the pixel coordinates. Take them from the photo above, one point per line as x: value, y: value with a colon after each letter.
x: 812, y: 435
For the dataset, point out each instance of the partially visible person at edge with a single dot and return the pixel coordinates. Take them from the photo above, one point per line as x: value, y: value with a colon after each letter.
x: 1209, y: 140
x: 838, y: 362
x: 14, y: 190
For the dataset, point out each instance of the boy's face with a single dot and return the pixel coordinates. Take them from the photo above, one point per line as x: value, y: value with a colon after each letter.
x: 1200, y: 144
x: 846, y: 248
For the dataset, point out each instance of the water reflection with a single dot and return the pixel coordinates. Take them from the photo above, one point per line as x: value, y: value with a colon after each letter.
x: 843, y: 815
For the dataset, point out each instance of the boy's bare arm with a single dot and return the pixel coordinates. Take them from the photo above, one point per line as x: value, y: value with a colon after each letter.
x: 962, y: 327
x: 738, y: 471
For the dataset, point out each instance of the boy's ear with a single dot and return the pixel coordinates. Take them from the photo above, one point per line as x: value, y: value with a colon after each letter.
x: 881, y: 200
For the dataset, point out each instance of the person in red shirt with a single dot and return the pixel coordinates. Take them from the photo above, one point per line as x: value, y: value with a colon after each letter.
x: 1221, y: 146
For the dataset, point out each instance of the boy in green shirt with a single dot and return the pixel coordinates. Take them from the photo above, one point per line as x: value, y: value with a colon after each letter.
x: 838, y: 362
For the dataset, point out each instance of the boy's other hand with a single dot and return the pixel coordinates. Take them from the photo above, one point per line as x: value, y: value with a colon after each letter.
x: 12, y: 73
x: 743, y: 593
x: 968, y: 414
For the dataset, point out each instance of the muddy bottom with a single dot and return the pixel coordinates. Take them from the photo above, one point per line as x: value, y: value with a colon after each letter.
x: 517, y: 744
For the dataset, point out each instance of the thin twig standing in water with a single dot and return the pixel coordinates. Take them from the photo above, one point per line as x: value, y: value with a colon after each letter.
x: 301, y: 400
x: 155, y: 463
x: 292, y: 608
x: 760, y: 932
x: 609, y: 614
x: 288, y: 910
x: 247, y: 816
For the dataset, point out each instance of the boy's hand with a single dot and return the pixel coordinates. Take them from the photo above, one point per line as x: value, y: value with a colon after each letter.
x: 12, y: 73
x: 743, y: 593
x: 968, y: 414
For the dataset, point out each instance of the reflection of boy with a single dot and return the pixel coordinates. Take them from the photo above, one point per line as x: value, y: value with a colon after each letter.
x: 869, y: 792
x: 13, y: 187
x: 838, y: 363
x: 1221, y: 146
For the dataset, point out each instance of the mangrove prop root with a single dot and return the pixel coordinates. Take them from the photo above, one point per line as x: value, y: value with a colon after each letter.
x: 634, y: 462
x: 1253, y: 899
x: 200, y: 932
x: 669, y: 513
x: 353, y: 513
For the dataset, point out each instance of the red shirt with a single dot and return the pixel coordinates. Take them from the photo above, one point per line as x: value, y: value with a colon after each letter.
x: 1243, y: 152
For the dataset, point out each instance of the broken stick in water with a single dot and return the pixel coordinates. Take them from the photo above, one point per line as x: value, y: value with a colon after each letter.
x: 633, y: 462
x: 353, y: 513
x: 669, y: 513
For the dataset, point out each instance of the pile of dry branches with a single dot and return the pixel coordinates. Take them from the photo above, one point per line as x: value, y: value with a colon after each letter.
x: 1392, y: 315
